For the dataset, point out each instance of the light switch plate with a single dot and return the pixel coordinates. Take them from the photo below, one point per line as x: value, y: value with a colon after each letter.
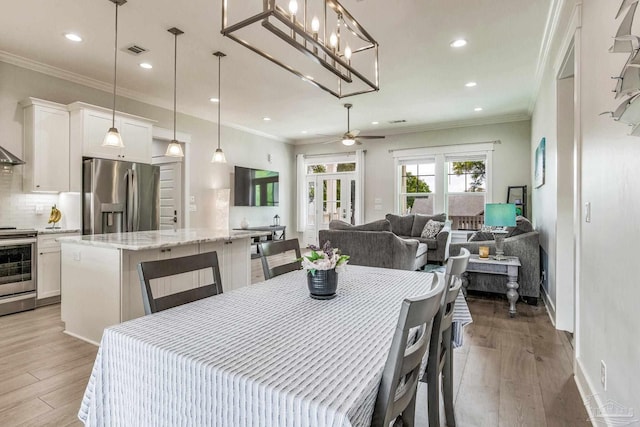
x: 193, y: 208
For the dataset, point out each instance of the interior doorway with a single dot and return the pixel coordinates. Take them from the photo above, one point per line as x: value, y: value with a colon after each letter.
x: 567, y: 191
x: 172, y: 185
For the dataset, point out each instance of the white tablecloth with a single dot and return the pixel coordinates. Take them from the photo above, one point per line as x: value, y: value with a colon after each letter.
x: 262, y: 355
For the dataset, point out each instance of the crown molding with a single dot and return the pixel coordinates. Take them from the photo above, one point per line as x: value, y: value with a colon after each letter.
x: 550, y: 29
x: 70, y: 76
x: 492, y: 120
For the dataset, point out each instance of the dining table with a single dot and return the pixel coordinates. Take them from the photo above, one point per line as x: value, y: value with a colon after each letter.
x: 266, y: 354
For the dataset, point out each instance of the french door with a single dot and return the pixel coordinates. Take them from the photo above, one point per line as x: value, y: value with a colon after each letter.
x: 329, y: 197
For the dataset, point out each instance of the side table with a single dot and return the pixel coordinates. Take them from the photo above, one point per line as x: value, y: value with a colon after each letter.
x: 507, y: 267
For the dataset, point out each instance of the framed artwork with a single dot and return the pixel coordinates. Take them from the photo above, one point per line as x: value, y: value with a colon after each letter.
x: 540, y: 157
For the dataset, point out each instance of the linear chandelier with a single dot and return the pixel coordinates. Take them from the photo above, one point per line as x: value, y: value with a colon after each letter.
x: 319, y: 41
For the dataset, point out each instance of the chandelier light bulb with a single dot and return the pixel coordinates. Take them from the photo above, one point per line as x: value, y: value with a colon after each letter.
x: 315, y: 24
x: 347, y: 52
x: 333, y: 40
x: 293, y: 7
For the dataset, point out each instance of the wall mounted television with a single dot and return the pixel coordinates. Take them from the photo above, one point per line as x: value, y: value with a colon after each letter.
x: 255, y: 187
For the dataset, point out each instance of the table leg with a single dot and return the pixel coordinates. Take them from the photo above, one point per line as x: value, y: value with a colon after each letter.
x: 512, y: 292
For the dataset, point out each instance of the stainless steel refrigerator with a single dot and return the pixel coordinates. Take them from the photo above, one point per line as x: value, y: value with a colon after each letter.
x: 119, y: 196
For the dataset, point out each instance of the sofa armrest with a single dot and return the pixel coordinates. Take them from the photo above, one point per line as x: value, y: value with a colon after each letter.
x: 444, y: 239
x: 404, y: 253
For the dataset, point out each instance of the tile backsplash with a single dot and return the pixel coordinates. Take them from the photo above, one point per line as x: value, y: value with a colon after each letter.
x: 18, y: 209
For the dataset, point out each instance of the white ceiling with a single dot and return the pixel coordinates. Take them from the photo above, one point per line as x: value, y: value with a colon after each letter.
x: 421, y: 77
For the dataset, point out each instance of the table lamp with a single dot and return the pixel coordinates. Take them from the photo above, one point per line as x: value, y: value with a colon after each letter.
x: 497, y: 216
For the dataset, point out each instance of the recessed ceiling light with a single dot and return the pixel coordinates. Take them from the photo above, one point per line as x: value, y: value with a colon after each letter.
x: 146, y: 66
x: 304, y: 131
x: 374, y: 123
x: 471, y: 84
x: 458, y: 43
x: 477, y: 109
x: 214, y: 100
x: 73, y: 37
x: 266, y: 119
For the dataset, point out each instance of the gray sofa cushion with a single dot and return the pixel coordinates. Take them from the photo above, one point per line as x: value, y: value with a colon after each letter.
x: 380, y: 225
x: 401, y: 224
x: 422, y: 249
x: 421, y: 220
x: 431, y: 243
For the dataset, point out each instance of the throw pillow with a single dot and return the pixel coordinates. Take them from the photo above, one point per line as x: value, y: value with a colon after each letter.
x: 421, y: 220
x: 400, y: 224
x: 431, y: 229
x: 523, y: 225
x: 480, y: 236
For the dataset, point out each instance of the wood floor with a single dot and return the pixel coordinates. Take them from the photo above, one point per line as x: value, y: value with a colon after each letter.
x: 510, y: 372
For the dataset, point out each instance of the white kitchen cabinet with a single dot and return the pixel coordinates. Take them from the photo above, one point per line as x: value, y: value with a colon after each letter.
x: 46, y: 146
x: 234, y: 258
x: 89, y: 125
x: 48, y: 268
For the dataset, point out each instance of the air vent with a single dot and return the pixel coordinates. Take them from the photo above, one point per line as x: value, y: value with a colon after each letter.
x: 134, y: 49
x: 393, y: 122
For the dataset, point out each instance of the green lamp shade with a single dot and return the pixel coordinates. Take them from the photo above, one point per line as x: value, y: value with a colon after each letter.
x: 500, y: 215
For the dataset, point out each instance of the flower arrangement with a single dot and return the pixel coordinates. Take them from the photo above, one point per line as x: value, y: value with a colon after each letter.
x: 325, y: 258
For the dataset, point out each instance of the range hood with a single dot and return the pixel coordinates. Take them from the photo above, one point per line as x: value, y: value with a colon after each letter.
x: 7, y: 158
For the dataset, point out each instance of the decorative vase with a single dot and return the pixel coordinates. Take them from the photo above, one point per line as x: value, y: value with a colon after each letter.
x: 244, y: 224
x: 323, y: 284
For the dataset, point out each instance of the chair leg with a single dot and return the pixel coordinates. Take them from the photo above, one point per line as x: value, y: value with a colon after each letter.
x: 447, y: 380
x: 433, y: 394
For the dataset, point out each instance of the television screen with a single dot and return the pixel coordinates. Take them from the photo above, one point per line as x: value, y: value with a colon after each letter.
x: 255, y: 187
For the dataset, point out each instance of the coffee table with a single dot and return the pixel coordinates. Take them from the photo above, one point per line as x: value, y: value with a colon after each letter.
x: 506, y: 267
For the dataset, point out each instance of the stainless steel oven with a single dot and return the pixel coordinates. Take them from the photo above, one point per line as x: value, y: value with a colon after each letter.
x: 17, y: 270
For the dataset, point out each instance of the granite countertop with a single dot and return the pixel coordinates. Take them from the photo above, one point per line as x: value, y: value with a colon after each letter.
x: 57, y: 230
x: 141, y: 240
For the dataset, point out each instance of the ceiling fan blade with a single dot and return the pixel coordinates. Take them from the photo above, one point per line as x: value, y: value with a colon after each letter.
x: 331, y: 141
x: 354, y: 133
x: 371, y: 137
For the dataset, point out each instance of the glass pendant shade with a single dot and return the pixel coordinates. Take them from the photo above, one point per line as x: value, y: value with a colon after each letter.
x: 348, y: 141
x: 113, y: 139
x: 174, y: 149
x: 218, y: 156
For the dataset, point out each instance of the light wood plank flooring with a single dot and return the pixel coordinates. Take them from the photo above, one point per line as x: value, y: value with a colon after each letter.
x: 510, y: 372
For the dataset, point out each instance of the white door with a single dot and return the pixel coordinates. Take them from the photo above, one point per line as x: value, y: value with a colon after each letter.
x: 329, y: 197
x: 170, y: 195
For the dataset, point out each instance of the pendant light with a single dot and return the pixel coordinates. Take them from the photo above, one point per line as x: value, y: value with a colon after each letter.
x: 218, y: 156
x: 174, y: 149
x: 113, y: 138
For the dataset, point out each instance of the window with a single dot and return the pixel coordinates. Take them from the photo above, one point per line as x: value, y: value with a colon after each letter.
x: 452, y: 179
x: 417, y: 185
x: 466, y: 189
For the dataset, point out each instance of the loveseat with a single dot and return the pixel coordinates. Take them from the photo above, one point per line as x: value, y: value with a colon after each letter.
x: 521, y: 241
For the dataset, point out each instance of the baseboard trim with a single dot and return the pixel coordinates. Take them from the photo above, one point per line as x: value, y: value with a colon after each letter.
x: 71, y: 334
x: 592, y: 401
x: 551, y: 309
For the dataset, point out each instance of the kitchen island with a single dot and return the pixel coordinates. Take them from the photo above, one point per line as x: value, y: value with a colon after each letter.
x: 100, y: 284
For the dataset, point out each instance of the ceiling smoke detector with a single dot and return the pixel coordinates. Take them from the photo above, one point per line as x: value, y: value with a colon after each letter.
x: 134, y: 49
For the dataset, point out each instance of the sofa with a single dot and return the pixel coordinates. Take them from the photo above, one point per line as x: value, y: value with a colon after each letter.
x: 411, y: 227
x: 521, y: 241
x: 374, y: 245
x: 393, y: 242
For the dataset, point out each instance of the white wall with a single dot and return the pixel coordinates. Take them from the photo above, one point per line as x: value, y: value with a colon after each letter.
x: 510, y: 159
x: 608, y: 291
x: 241, y: 148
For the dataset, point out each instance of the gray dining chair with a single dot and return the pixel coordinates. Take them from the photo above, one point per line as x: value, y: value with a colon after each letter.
x: 396, y: 400
x: 440, y: 360
x: 275, y: 260
x: 151, y: 270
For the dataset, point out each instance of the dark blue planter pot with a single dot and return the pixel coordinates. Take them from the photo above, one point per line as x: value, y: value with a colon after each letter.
x: 323, y: 284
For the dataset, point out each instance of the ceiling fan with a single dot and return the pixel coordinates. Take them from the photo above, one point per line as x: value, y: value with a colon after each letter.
x: 351, y: 137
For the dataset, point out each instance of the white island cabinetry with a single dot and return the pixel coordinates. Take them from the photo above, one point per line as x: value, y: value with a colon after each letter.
x: 100, y: 284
